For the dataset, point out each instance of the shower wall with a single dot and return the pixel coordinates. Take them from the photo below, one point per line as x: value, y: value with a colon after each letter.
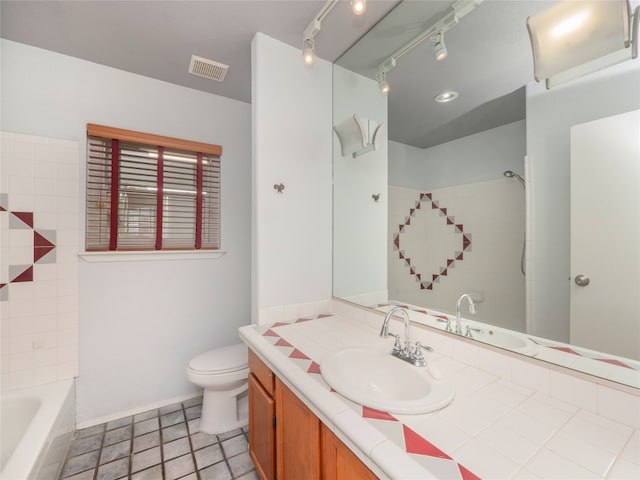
x: 466, y: 238
x: 456, y: 224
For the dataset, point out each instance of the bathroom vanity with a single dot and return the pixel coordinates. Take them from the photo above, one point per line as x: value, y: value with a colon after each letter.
x: 510, y: 418
x: 287, y: 438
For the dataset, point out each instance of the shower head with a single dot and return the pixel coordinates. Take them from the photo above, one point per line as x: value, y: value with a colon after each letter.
x: 511, y: 174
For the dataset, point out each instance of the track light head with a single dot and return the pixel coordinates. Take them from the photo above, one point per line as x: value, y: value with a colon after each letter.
x: 358, y: 7
x: 383, y: 85
x: 439, y: 48
x: 308, y: 51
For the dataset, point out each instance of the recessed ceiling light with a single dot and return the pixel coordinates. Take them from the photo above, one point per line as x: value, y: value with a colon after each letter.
x: 445, y: 97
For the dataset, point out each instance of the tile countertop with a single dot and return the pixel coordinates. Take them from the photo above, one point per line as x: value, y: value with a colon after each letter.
x: 493, y: 429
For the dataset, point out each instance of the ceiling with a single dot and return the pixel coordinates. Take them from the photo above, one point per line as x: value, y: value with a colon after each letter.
x: 157, y: 38
x: 489, y: 58
x: 489, y: 63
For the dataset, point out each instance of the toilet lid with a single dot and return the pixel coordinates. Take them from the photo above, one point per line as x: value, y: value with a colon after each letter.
x: 221, y: 360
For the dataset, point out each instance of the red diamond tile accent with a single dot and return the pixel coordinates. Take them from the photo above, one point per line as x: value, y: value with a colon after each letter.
x: 377, y: 414
x: 26, y: 217
x: 39, y: 252
x: 298, y: 354
x: 282, y: 343
x: 270, y: 333
x: 466, y: 474
x: 40, y: 241
x: 566, y: 350
x: 414, y: 443
x: 613, y: 361
x: 325, y: 315
x: 26, y: 276
x: 313, y: 368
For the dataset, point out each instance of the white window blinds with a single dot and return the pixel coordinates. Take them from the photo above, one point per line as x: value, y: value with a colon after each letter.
x: 151, y: 197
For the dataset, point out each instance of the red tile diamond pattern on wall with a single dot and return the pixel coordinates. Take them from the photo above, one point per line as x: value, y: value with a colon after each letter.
x: 406, y: 259
x: 41, y: 247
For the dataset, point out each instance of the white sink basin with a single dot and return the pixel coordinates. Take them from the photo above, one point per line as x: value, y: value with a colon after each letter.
x: 373, y: 378
x: 515, y: 343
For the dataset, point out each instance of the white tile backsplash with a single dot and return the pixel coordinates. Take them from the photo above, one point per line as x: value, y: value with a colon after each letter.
x: 40, y: 317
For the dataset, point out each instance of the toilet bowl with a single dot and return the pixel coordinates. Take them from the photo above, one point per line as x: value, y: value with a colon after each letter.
x: 223, y: 374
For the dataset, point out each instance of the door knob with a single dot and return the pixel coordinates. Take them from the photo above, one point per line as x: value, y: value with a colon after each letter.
x: 582, y: 280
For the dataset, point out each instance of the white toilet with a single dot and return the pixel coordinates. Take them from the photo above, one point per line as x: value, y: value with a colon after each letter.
x: 223, y: 374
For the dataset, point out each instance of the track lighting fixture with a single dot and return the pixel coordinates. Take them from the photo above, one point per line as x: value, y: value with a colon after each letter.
x: 313, y: 29
x: 435, y: 32
x: 382, y: 82
x: 358, y: 7
x: 308, y: 51
x: 439, y: 48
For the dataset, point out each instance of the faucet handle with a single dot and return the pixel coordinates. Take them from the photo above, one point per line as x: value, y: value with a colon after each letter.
x: 426, y: 347
x: 396, y: 346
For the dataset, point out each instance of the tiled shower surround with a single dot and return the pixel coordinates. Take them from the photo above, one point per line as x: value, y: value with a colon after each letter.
x: 159, y: 444
x: 463, y: 238
x: 38, y: 259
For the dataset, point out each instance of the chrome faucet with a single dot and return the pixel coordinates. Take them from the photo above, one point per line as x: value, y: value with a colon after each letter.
x: 406, y: 351
x: 472, y: 310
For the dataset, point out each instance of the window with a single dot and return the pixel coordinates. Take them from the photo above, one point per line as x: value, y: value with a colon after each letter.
x: 148, y: 192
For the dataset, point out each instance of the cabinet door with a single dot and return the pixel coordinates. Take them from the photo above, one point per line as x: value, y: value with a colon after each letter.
x: 261, y: 429
x: 339, y: 463
x: 298, y: 437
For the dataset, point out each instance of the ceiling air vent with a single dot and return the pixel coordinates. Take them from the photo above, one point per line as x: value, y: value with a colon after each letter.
x: 208, y: 68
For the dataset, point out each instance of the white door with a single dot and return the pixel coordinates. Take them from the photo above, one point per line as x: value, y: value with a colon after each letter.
x: 605, y: 235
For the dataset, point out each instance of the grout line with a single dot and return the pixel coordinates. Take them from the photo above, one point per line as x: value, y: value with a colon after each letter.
x: 104, y: 434
x: 193, y: 455
x: 133, y: 425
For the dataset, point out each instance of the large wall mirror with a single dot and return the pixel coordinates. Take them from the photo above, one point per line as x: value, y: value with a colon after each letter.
x: 480, y: 195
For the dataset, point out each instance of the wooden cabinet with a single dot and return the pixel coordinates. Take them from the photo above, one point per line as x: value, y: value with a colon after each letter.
x: 262, y: 417
x: 340, y: 463
x: 297, y: 437
x: 287, y: 441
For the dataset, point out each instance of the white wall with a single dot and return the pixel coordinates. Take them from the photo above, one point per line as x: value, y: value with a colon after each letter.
x: 550, y: 114
x: 291, y: 104
x: 465, y: 176
x: 360, y: 234
x: 475, y: 158
x: 141, y: 322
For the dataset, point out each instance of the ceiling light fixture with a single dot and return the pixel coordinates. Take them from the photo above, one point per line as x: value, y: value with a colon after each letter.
x: 571, y: 39
x: 439, y: 48
x: 358, y: 7
x: 444, y: 97
x: 308, y: 51
x: 382, y: 82
x: 313, y: 29
x: 459, y: 9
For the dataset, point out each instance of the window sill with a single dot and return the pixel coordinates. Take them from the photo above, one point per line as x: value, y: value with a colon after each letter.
x: 94, y: 257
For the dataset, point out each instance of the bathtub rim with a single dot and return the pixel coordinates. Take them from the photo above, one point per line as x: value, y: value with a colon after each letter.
x: 30, y: 451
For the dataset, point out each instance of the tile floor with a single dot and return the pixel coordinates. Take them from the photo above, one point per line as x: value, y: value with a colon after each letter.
x: 161, y: 444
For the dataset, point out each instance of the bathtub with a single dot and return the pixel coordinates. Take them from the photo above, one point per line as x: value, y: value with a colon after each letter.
x: 36, y: 428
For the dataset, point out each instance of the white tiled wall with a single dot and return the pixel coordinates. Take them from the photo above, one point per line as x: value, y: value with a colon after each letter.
x: 491, y: 214
x: 39, y: 318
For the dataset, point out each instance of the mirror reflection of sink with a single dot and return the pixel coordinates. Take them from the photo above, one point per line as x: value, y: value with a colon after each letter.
x: 373, y: 378
x: 507, y: 340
